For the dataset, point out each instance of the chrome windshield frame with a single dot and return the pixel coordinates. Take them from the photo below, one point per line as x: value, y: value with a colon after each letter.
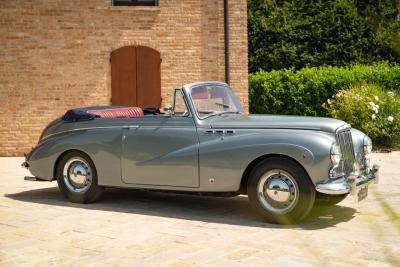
x: 219, y: 84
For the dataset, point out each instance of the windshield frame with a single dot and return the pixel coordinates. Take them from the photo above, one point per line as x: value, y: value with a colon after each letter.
x: 229, y: 91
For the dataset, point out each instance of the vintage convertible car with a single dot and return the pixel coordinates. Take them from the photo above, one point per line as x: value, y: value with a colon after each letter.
x: 205, y: 143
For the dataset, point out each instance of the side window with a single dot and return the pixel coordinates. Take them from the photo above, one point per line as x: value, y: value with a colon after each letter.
x: 180, y: 108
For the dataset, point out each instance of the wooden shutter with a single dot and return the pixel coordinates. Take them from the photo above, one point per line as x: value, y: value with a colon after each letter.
x: 148, y: 77
x: 123, y: 76
x: 136, y: 77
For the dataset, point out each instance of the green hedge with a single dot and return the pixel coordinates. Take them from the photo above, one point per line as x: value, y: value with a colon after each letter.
x: 304, y: 91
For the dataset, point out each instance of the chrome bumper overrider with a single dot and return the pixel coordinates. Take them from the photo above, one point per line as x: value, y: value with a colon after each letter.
x: 345, y: 185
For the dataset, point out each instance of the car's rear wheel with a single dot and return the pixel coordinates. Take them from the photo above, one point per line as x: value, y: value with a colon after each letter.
x: 328, y: 200
x: 280, y: 191
x: 77, y: 178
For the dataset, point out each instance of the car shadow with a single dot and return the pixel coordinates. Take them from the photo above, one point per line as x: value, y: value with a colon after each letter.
x: 223, y: 210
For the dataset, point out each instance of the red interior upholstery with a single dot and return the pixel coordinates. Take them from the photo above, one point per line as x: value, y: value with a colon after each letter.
x: 118, y: 112
x: 199, y: 93
x: 218, y: 93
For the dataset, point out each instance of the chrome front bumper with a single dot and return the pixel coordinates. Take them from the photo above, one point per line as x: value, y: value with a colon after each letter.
x: 350, y: 184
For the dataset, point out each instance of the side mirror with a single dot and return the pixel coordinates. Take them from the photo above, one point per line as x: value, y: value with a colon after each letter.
x: 168, y: 109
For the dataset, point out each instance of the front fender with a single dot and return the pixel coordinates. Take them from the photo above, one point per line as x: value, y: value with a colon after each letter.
x: 226, y: 159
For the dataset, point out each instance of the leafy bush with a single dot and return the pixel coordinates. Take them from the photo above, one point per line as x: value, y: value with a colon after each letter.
x: 286, y: 34
x: 303, y: 92
x: 370, y: 109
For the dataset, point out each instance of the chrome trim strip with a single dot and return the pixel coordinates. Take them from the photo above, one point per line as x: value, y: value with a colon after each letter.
x: 151, y: 126
x: 110, y: 127
x: 130, y: 126
x: 79, y: 129
x: 267, y: 127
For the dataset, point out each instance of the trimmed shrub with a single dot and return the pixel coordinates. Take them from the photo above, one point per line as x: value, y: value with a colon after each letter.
x: 303, y: 92
x: 371, y: 109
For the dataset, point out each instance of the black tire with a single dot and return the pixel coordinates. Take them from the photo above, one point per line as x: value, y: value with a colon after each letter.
x: 305, y: 194
x: 93, y: 192
x: 328, y: 200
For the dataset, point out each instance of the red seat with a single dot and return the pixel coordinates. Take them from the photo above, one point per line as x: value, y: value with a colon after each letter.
x: 199, y: 93
x: 118, y: 112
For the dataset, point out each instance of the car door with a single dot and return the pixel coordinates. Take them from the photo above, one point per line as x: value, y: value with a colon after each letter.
x: 162, y: 150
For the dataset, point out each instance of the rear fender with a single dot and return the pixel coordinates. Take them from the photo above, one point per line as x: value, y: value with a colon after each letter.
x: 103, y: 146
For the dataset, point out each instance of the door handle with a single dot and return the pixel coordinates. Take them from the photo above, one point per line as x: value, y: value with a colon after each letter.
x: 130, y: 127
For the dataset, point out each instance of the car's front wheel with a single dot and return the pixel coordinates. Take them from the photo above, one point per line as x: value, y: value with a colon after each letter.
x: 280, y: 191
x: 77, y: 178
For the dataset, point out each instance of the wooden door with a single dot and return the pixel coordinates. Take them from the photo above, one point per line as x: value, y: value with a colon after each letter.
x: 136, y: 77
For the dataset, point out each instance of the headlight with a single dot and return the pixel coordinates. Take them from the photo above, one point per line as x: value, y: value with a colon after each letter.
x: 367, y: 145
x: 336, y: 154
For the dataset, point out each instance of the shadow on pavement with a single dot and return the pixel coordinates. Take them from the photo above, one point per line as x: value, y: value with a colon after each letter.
x: 224, y: 210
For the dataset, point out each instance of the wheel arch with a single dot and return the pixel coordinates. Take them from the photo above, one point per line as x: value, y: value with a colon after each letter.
x: 62, y: 155
x: 253, y: 164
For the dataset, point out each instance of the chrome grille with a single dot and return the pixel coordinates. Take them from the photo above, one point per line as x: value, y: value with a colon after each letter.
x: 345, y: 142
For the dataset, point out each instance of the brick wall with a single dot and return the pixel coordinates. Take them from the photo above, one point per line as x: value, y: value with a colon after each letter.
x: 55, y: 55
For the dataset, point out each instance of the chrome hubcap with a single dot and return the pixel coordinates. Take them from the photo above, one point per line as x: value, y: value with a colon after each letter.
x: 77, y: 175
x: 277, y: 191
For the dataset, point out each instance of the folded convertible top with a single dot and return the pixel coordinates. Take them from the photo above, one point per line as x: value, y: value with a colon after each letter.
x: 81, y: 114
x: 90, y: 113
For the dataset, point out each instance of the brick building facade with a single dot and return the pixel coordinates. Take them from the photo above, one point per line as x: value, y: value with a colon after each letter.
x: 55, y: 55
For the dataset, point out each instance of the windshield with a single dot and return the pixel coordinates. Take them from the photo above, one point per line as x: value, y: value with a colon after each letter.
x: 212, y: 100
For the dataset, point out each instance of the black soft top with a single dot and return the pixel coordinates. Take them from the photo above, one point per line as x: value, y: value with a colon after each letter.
x: 80, y: 114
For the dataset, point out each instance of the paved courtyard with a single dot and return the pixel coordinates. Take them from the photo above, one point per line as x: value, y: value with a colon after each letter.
x: 38, y: 227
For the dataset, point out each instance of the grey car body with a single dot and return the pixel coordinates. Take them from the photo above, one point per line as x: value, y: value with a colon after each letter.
x: 212, y: 154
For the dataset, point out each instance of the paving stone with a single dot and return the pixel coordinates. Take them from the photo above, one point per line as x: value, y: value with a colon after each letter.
x: 38, y: 227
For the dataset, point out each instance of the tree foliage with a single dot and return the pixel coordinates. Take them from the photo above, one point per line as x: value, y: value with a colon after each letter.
x: 308, y: 33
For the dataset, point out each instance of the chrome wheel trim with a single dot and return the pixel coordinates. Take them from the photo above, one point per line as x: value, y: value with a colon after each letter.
x: 77, y: 175
x: 278, y: 191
